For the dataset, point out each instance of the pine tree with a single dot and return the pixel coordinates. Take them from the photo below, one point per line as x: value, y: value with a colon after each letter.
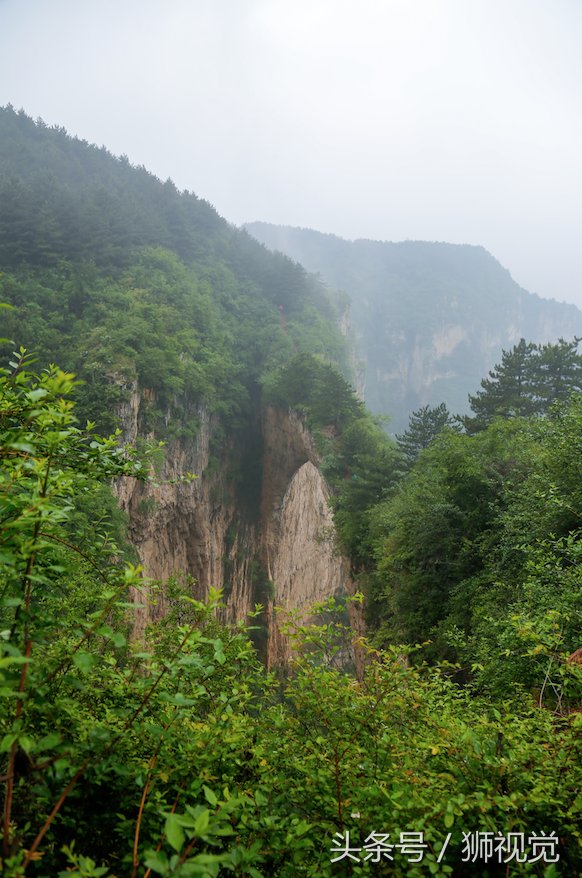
x: 509, y: 391
x: 529, y: 380
x: 559, y: 368
x: 423, y: 426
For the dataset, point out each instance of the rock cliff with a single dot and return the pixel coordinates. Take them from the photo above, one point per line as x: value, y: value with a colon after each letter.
x: 280, y: 552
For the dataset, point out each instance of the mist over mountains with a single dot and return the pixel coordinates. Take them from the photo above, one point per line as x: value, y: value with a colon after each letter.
x: 429, y: 319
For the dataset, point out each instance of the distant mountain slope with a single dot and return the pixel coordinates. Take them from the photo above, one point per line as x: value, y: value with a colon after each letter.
x: 430, y: 319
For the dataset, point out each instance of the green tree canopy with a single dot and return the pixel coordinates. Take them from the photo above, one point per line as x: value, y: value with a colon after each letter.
x: 528, y: 381
x: 423, y: 427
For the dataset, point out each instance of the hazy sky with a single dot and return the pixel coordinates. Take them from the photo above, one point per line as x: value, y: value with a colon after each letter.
x: 449, y: 120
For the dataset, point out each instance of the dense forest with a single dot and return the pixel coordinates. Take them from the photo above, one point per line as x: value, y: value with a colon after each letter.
x: 455, y: 750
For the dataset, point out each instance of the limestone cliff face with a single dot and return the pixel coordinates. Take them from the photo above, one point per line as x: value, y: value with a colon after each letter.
x: 281, y: 553
x: 181, y: 527
x: 296, y: 535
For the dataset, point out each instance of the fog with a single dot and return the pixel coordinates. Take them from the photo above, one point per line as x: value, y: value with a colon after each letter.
x: 449, y: 120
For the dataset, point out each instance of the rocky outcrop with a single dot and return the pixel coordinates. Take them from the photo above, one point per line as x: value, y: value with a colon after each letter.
x: 281, y: 553
x: 296, y: 535
x: 180, y: 526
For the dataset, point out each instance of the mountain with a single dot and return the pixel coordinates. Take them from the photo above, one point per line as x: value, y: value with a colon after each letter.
x: 140, y: 733
x: 429, y: 319
x: 176, y: 324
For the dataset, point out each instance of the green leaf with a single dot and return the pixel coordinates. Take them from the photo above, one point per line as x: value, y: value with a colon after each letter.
x: 7, y: 742
x: 174, y: 832
x: 301, y: 828
x: 210, y: 796
x: 37, y: 394
x: 13, y: 660
x: 53, y: 739
x: 22, y: 446
x: 202, y: 821
x: 157, y: 861
x: 85, y: 661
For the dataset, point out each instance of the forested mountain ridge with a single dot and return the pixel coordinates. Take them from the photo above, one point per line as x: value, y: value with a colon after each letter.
x: 430, y: 319
x: 174, y: 321
x: 119, y: 276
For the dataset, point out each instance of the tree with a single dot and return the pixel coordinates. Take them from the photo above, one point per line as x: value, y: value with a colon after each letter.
x: 435, y: 536
x: 178, y: 756
x: 529, y: 381
x: 86, y: 716
x: 46, y: 461
x: 509, y: 391
x: 558, y: 372
x: 423, y: 427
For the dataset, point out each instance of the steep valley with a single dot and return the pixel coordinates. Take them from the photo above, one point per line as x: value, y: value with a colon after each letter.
x: 200, y: 431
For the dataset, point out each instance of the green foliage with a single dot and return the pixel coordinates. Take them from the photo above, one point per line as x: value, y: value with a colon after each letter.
x: 433, y: 534
x: 87, y: 715
x: 137, y: 287
x: 529, y: 381
x: 364, y: 473
x: 173, y: 753
x: 526, y: 627
x: 477, y: 552
x: 424, y: 426
x: 406, y: 750
x: 316, y: 387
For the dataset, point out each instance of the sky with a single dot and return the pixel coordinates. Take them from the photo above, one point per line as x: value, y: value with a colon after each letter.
x: 439, y: 120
